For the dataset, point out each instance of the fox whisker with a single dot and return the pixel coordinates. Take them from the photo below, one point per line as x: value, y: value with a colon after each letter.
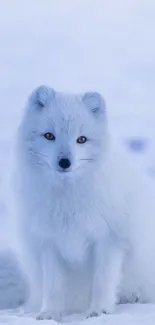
x: 87, y: 159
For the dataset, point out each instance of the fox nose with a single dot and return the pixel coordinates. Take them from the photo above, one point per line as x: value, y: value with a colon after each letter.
x: 64, y: 163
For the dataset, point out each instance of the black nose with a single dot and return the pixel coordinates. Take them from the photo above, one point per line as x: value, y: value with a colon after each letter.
x: 64, y: 163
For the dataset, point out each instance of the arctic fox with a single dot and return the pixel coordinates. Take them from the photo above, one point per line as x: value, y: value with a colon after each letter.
x: 84, y: 242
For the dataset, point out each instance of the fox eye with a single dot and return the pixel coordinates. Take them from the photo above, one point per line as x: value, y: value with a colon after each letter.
x: 81, y: 139
x: 49, y: 136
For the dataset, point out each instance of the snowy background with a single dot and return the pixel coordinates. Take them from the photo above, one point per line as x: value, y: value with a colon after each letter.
x: 79, y: 45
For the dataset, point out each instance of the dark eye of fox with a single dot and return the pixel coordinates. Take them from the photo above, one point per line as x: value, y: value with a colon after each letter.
x: 81, y: 139
x: 49, y: 136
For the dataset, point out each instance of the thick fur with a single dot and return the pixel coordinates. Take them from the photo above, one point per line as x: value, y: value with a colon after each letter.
x: 13, y: 287
x: 84, y: 239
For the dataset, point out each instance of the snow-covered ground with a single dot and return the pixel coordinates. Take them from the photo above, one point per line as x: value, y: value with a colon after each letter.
x: 125, y: 315
x: 77, y: 45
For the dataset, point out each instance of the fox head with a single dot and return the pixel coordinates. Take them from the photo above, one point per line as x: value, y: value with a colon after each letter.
x: 66, y: 134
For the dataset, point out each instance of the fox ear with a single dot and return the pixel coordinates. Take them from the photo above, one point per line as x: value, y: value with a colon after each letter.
x: 41, y: 96
x: 95, y: 103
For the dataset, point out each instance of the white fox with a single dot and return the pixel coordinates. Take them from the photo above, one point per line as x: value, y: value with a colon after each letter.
x: 84, y: 240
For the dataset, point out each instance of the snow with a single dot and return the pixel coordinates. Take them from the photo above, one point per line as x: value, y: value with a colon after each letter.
x: 125, y: 315
x: 76, y: 46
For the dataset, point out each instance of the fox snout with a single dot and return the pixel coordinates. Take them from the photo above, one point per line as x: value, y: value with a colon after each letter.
x: 64, y: 163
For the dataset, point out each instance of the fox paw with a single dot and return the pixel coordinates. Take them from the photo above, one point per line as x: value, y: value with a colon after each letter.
x: 95, y: 312
x: 92, y: 314
x: 49, y: 315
